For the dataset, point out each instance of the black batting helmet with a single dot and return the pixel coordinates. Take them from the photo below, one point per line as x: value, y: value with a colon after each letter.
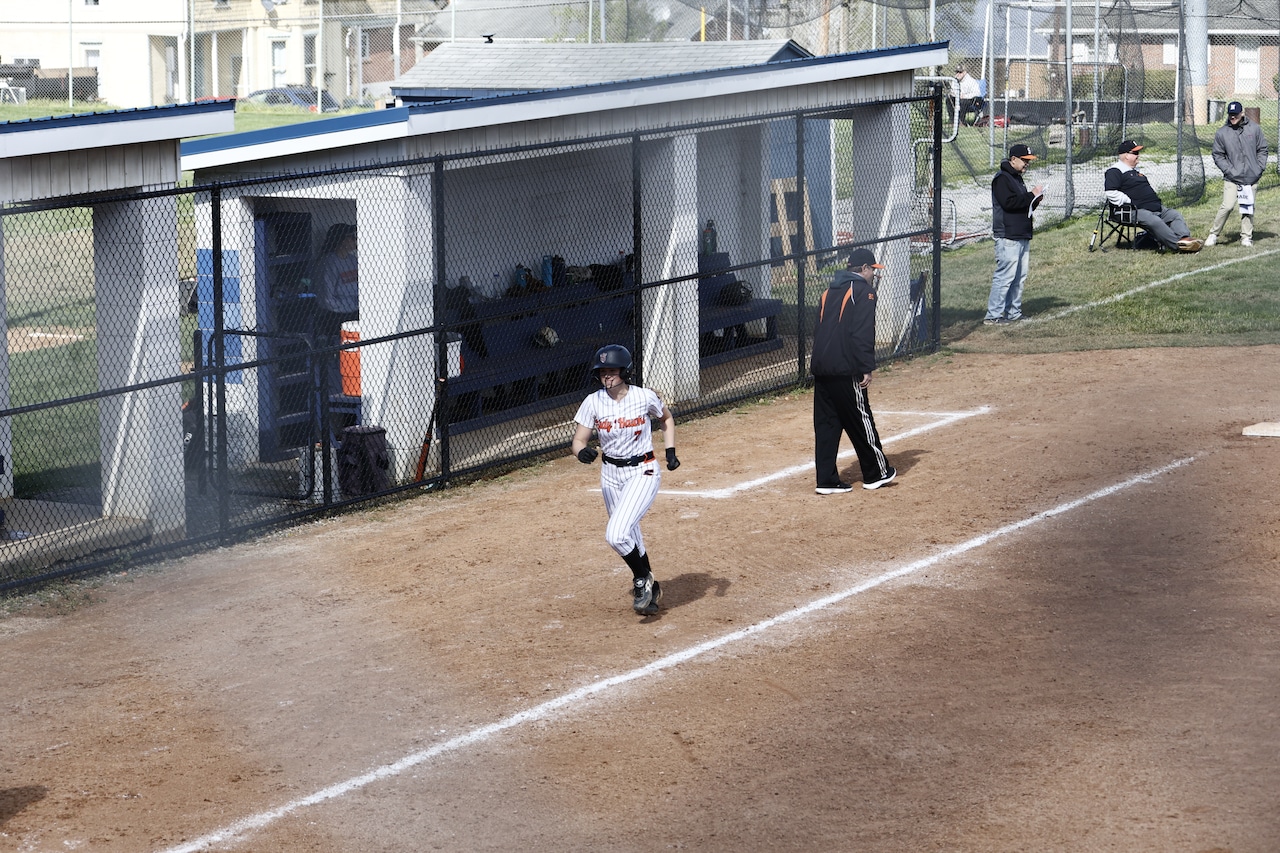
x: 613, y: 355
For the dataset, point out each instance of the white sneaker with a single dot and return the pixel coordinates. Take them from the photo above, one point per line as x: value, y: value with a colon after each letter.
x: 1211, y: 240
x: 1246, y: 241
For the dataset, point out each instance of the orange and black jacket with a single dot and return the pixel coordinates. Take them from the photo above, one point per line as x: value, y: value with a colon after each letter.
x: 844, y: 339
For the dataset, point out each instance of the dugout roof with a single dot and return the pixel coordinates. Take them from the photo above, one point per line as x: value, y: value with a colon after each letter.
x: 652, y: 104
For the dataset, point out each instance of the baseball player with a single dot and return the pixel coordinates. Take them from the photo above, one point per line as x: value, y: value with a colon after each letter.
x: 619, y: 414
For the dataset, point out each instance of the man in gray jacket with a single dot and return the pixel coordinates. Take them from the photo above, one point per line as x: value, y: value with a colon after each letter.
x: 1240, y: 152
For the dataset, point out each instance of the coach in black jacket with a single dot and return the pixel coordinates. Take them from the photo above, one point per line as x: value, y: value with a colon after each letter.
x: 1011, y: 205
x: 844, y: 357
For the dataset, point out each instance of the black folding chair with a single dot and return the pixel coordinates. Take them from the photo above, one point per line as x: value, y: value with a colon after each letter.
x: 1119, y: 221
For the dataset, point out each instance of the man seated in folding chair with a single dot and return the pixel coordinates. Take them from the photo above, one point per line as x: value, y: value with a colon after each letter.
x: 1124, y: 184
x: 1119, y: 221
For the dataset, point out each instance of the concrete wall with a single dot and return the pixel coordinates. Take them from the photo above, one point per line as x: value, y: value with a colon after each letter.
x: 883, y: 185
x: 669, y: 215
x: 576, y: 204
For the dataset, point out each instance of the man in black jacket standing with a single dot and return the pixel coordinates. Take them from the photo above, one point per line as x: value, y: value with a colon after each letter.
x: 1011, y: 206
x: 844, y: 357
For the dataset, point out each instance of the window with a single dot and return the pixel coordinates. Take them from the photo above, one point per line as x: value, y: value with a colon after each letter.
x: 1082, y: 51
x: 1169, y: 56
x: 309, y: 60
x: 171, y: 71
x: 91, y: 2
x: 92, y: 54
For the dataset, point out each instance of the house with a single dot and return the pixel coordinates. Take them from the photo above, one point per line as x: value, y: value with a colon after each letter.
x: 142, y: 49
x: 1243, y: 57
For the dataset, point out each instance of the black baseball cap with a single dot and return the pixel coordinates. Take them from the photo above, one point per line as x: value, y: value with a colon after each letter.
x: 1235, y: 108
x: 1021, y: 151
x: 1127, y: 146
x: 863, y: 256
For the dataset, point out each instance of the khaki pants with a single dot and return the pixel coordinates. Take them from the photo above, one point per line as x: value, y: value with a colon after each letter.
x: 1228, y: 205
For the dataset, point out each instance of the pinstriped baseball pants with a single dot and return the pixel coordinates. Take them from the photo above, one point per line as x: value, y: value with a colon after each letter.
x: 628, y: 494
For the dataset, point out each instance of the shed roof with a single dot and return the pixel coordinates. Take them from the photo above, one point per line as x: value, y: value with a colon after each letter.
x: 464, y: 69
x: 627, y: 106
x: 77, y: 131
x: 81, y: 154
x: 537, y: 20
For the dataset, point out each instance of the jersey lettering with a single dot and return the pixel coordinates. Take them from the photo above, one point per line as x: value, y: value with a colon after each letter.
x: 605, y: 425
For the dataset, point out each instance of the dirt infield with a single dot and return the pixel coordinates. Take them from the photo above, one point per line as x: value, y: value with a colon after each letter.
x: 1059, y: 630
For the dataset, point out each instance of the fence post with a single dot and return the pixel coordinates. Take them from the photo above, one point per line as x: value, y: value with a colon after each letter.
x: 442, y: 344
x: 803, y: 265
x: 637, y: 344
x: 220, y: 361
x: 936, y: 325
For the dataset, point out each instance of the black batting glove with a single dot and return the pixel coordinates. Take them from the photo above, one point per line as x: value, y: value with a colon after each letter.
x: 586, y: 455
x: 672, y: 462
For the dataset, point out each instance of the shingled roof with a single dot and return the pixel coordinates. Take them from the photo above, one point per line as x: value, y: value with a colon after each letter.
x: 539, y: 20
x: 465, y: 70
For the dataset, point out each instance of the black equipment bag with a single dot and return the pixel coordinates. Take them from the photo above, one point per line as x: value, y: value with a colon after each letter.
x: 363, y: 461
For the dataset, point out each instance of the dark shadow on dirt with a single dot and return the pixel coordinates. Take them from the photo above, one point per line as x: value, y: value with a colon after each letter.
x: 14, y: 800
x: 688, y: 588
x: 902, y: 460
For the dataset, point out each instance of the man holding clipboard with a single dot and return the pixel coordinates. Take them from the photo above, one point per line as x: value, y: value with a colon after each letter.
x: 1011, y: 207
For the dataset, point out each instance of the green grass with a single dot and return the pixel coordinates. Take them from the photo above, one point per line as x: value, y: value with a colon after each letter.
x: 40, y: 108
x: 55, y: 448
x: 1236, y: 305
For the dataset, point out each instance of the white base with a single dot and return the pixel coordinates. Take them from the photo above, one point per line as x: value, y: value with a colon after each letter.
x: 1269, y: 429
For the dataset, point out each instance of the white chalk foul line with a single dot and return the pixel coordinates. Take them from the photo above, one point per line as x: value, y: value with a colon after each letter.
x: 548, y: 709
x: 944, y: 419
x: 1170, y: 280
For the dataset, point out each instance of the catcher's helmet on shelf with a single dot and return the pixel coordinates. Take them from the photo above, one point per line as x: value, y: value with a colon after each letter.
x: 613, y: 355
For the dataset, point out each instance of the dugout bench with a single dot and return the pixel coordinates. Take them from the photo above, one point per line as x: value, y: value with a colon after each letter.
x: 524, y: 354
x: 722, y: 325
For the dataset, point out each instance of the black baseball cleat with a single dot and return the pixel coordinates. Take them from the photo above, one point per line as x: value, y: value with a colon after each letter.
x: 838, y: 488
x: 645, y: 593
x: 657, y: 598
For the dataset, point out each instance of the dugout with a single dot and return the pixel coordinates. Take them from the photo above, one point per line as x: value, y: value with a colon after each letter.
x: 108, y: 161
x: 476, y: 187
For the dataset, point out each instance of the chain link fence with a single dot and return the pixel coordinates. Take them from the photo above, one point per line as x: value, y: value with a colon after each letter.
x: 280, y: 371
x: 1130, y: 69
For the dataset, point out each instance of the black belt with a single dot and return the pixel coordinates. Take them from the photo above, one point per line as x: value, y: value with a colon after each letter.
x: 630, y: 461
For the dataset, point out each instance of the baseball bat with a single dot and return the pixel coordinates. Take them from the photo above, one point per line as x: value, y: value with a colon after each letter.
x: 431, y: 423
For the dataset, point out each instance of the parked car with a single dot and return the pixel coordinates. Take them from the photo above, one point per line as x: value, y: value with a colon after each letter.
x: 293, y: 96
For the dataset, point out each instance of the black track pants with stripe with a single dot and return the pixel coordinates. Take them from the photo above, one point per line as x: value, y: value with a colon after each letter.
x: 839, y: 405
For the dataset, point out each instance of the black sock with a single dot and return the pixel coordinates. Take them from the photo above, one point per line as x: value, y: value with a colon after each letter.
x: 636, y: 561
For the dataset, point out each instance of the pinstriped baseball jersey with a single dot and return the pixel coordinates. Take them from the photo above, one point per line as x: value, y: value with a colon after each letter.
x: 623, y: 426
x: 624, y: 431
